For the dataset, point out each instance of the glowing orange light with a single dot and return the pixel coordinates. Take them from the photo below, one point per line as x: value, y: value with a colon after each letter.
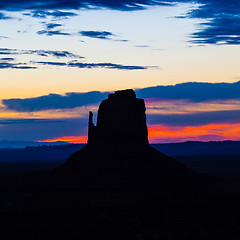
x: 166, y: 133
x: 69, y: 139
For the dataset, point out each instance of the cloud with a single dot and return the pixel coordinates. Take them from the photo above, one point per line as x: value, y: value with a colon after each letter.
x: 105, y: 35
x: 43, y: 53
x: 197, y: 112
x: 53, y: 25
x: 7, y: 65
x: 54, y: 101
x: 41, y: 5
x: 221, y: 22
x: 50, y: 30
x: 53, y: 33
x: 57, y: 54
x: 97, y: 34
x: 55, y: 14
x: 221, y: 17
x: 195, y: 119
x: 220, y: 31
x: 193, y: 91
x: 93, y: 65
x: 4, y: 17
x: 7, y: 51
x: 7, y: 61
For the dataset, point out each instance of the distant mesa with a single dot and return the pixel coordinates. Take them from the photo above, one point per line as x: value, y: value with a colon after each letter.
x: 118, y: 145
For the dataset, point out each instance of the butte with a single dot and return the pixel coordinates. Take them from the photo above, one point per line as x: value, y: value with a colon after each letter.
x: 118, y: 148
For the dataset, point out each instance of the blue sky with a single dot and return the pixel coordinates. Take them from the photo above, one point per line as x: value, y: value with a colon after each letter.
x: 59, y: 59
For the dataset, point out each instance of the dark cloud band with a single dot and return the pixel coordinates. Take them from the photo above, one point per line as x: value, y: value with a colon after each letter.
x: 194, y: 92
x: 123, y: 5
x: 196, y: 119
x: 54, y: 101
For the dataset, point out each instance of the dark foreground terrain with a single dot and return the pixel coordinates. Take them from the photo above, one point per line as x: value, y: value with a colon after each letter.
x: 220, y: 159
x: 66, y: 204
x: 86, y: 210
x: 162, y: 214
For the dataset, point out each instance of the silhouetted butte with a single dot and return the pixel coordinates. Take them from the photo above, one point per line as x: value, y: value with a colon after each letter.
x: 118, y: 144
x: 121, y: 121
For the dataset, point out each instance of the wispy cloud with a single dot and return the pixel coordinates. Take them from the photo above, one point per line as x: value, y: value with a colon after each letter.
x: 75, y: 64
x: 50, y: 26
x: 7, y: 62
x: 221, y: 22
x: 55, y: 14
x: 221, y: 31
x: 43, y: 53
x: 8, y: 65
x: 103, y: 35
x: 97, y: 34
x: 7, y: 59
x: 53, y: 33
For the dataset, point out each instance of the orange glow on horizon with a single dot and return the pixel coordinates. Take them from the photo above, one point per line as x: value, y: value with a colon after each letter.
x: 164, y: 133
x: 69, y: 139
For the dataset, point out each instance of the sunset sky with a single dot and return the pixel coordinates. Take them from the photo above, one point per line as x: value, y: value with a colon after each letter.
x: 59, y: 59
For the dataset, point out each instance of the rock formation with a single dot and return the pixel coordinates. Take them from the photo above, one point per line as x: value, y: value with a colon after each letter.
x: 121, y: 120
x: 118, y: 145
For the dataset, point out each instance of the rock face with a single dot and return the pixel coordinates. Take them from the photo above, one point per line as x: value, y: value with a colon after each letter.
x: 121, y: 120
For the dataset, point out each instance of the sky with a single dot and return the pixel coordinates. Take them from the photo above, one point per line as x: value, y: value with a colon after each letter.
x: 59, y: 59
